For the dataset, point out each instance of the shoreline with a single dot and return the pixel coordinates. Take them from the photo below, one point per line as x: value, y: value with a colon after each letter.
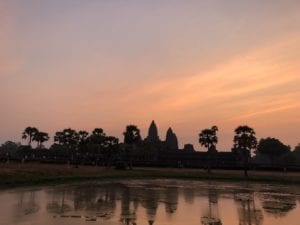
x: 22, y: 175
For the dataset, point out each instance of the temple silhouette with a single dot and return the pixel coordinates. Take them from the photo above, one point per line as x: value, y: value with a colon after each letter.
x: 167, y: 152
x: 171, y: 141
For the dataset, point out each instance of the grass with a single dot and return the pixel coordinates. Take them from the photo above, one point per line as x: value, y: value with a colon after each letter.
x: 14, y: 175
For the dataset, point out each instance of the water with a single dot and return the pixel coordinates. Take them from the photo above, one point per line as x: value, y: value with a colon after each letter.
x: 165, y: 202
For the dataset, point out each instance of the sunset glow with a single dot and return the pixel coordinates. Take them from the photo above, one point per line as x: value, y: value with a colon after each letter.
x: 191, y: 65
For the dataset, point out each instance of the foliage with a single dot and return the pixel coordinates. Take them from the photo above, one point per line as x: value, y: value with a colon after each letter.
x: 132, y: 135
x: 9, y: 148
x: 208, y: 137
x: 297, y: 149
x: 244, y: 141
x: 40, y: 138
x: 67, y: 137
x: 272, y: 147
x: 29, y: 134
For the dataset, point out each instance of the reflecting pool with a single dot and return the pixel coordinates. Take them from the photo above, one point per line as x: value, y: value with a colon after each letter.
x: 165, y: 202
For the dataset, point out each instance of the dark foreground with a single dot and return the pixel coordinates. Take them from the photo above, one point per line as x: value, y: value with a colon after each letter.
x: 13, y: 175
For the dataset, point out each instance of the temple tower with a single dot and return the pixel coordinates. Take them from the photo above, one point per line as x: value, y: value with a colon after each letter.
x: 153, y: 133
x: 171, y: 140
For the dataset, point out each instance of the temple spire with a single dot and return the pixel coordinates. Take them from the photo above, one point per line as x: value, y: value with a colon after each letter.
x: 171, y: 140
x: 152, y: 133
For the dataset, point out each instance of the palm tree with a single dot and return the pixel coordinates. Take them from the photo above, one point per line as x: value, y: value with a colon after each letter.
x: 208, y: 138
x: 29, y: 134
x: 40, y: 138
x: 244, y: 141
x: 132, y: 136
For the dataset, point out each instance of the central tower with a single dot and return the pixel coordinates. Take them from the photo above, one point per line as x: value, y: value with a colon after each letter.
x: 153, y: 133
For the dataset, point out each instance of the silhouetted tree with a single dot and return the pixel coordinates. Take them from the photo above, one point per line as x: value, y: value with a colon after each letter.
x: 40, y: 138
x: 131, y: 137
x: 83, y: 136
x: 244, y: 141
x: 209, y: 139
x: 297, y: 148
x: 296, y: 152
x: 68, y: 138
x: 272, y: 147
x: 98, y: 136
x: 110, y: 149
x: 29, y: 133
x: 9, y: 149
x: 96, y: 143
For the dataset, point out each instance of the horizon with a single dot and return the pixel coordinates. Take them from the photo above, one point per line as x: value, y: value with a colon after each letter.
x: 187, y: 65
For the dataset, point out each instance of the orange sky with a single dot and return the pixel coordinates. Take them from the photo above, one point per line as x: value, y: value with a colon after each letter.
x: 186, y: 65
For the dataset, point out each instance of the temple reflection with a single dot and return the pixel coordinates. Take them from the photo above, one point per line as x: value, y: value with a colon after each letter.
x: 132, y: 203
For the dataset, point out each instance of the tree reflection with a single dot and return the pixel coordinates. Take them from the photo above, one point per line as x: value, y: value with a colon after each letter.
x: 58, y: 204
x: 247, y: 211
x: 211, y: 215
x: 26, y: 206
x: 277, y: 204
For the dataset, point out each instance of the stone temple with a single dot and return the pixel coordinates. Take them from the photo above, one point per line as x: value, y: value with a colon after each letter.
x: 171, y: 141
x: 167, y: 153
x: 152, y: 133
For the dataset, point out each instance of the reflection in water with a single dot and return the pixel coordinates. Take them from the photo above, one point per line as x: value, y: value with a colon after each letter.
x: 153, y: 202
x: 247, y: 211
x: 278, y: 204
x: 211, y: 216
x: 171, y: 199
x: 128, y: 210
x: 26, y: 204
x: 58, y: 203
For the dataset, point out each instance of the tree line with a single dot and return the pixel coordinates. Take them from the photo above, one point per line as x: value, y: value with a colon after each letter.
x: 99, y: 146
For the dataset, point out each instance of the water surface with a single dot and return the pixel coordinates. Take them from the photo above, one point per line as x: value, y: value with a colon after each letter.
x: 164, y: 202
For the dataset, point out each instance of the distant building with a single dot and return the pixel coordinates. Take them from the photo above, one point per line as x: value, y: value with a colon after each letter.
x: 171, y: 140
x: 167, y: 152
x: 188, y: 148
x: 152, y: 133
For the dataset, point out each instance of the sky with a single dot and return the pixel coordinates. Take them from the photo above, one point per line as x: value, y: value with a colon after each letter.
x: 188, y: 65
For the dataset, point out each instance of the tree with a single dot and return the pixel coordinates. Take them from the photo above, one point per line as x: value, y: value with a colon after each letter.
x: 83, y: 140
x: 98, y: 136
x: 296, y: 153
x: 9, y: 149
x: 131, y: 137
x: 83, y: 136
x: 29, y: 133
x: 244, y: 141
x: 272, y: 147
x: 208, y: 138
x: 297, y: 149
x: 40, y: 138
x: 68, y: 138
x: 110, y: 149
